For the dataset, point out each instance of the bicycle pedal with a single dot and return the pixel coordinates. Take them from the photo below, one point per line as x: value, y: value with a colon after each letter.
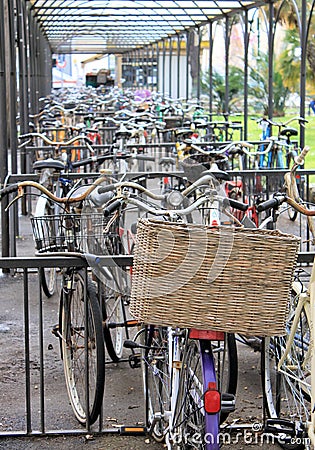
x: 132, y: 323
x: 227, y: 402
x: 284, y: 429
x: 56, y: 330
x: 135, y: 361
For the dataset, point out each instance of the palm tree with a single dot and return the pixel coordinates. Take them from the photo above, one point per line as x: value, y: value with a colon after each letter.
x: 236, y: 88
x: 288, y: 18
x: 258, y: 86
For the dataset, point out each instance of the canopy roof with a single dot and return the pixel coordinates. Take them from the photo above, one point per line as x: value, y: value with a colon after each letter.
x: 116, y: 26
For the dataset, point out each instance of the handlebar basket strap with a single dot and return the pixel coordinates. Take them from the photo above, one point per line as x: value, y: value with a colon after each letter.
x: 228, y: 279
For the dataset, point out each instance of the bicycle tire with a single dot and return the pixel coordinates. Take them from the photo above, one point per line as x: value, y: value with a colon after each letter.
x: 156, y: 380
x: 115, y: 294
x: 73, y: 326
x: 202, y: 363
x: 287, y: 391
x: 47, y: 276
x: 114, y: 316
x: 227, y: 383
x: 113, y: 285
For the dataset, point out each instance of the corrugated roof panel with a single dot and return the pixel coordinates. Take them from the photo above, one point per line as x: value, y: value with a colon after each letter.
x: 126, y: 23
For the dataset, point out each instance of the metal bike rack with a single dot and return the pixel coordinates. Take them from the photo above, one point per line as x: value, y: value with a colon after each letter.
x: 33, y: 416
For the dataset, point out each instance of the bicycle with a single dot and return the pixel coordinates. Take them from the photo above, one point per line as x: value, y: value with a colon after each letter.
x: 79, y: 309
x: 79, y: 328
x: 180, y: 403
x: 52, y: 167
x: 287, y: 362
x: 283, y: 151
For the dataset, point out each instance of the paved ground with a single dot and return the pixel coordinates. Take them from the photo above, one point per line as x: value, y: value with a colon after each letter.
x: 123, y: 403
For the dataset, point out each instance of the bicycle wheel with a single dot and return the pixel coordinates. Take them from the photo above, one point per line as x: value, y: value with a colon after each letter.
x: 287, y: 389
x: 74, y: 337
x: 113, y: 285
x: 204, y: 362
x: 156, y: 380
x: 47, y: 275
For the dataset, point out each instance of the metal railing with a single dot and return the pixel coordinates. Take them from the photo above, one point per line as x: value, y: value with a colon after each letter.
x: 32, y: 387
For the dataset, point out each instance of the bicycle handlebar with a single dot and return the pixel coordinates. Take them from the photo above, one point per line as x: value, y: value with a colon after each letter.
x: 9, y: 190
x: 271, y: 203
x: 52, y: 143
x: 302, y: 121
x: 290, y: 195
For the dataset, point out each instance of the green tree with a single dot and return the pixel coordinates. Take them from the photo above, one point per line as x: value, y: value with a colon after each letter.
x: 236, y: 88
x: 258, y: 87
x: 291, y: 61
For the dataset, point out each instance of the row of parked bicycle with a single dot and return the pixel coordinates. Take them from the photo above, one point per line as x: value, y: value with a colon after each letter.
x: 204, y: 276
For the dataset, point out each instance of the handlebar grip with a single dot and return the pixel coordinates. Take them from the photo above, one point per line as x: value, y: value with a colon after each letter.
x: 238, y: 205
x: 25, y: 136
x: 112, y: 207
x: 299, y: 160
x: 107, y: 188
x: 9, y: 189
x: 269, y: 204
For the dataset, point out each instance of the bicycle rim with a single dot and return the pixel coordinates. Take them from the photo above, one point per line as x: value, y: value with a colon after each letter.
x: 73, y: 329
x: 156, y: 380
x: 287, y: 391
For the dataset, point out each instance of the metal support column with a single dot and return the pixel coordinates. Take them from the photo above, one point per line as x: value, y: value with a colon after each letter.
x: 23, y: 81
x: 148, y: 68
x: 13, y: 220
x: 3, y: 134
x: 270, y: 59
x: 303, y: 40
x: 227, y: 51
x: 178, y: 66
x: 163, y: 69
x: 198, y: 63
x: 157, y: 67
x: 210, y: 70
x: 170, y: 67
x: 246, y: 45
x: 143, y: 66
x: 187, y: 65
x: 32, y: 59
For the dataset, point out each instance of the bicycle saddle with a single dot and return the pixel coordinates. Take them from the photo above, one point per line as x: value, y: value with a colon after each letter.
x: 167, y: 160
x: 49, y: 164
x: 217, y: 173
x: 123, y: 134
x: 288, y: 132
x: 183, y: 131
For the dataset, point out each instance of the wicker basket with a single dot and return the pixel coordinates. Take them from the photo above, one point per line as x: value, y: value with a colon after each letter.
x: 228, y: 279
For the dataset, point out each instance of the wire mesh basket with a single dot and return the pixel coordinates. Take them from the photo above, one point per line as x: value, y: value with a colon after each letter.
x: 215, y: 278
x: 71, y: 232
